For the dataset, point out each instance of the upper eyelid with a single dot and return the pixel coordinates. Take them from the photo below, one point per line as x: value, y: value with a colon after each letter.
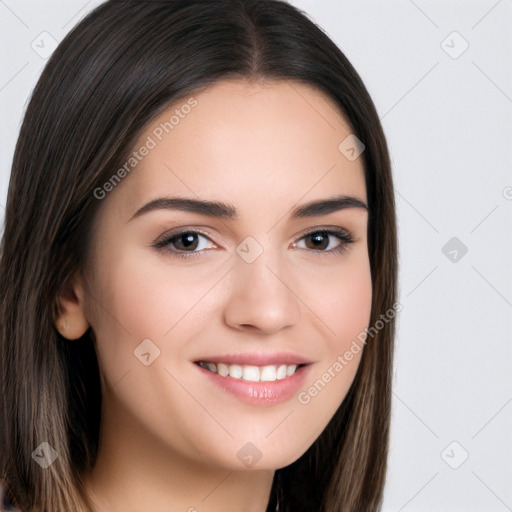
x: 336, y: 229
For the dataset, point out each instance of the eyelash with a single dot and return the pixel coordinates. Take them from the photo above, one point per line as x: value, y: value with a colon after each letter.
x: 342, y: 235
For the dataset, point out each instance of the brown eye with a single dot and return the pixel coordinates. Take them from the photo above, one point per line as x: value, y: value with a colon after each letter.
x: 325, y: 241
x: 185, y: 241
x: 318, y: 240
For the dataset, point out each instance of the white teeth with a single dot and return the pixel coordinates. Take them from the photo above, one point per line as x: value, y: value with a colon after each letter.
x: 235, y: 371
x: 252, y: 373
x: 281, y: 372
x: 290, y: 370
x: 222, y: 370
x: 268, y: 373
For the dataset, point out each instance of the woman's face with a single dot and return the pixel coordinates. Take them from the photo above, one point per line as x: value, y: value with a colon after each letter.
x: 251, y: 261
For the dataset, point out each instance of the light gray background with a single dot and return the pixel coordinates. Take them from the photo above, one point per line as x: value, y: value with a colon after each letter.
x: 448, y: 120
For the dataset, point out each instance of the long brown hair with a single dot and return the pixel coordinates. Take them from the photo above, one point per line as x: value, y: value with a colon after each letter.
x: 112, y: 74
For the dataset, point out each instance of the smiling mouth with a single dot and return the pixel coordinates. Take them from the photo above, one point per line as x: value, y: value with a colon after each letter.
x: 267, y: 373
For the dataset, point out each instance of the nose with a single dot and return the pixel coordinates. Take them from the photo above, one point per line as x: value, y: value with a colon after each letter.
x: 261, y: 298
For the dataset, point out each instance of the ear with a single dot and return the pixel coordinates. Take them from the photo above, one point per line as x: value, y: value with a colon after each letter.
x: 71, y: 321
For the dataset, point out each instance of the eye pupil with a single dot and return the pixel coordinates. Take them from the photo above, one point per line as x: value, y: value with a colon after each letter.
x: 320, y: 240
x: 187, y: 240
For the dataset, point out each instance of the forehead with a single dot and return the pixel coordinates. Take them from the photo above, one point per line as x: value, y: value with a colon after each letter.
x: 252, y: 143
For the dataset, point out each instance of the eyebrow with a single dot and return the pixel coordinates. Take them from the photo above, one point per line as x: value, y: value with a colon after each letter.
x: 227, y: 211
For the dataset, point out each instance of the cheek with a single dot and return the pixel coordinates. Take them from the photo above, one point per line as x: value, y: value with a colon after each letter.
x: 350, y: 304
x: 142, y: 299
x: 124, y: 305
x: 340, y: 299
x: 135, y: 301
x: 343, y: 306
x: 349, y: 315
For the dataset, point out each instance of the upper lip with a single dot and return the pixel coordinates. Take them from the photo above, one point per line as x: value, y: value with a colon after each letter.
x: 256, y: 359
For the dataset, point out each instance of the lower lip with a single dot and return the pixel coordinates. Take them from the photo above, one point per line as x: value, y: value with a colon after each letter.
x: 260, y: 393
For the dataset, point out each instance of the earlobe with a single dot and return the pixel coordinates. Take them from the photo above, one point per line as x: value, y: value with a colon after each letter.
x: 73, y: 328
x: 71, y: 321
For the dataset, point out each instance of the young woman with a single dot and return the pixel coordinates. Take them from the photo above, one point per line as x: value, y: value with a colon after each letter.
x: 198, y: 270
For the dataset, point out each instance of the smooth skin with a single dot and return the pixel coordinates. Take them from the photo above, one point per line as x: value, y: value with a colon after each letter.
x: 169, y: 438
